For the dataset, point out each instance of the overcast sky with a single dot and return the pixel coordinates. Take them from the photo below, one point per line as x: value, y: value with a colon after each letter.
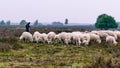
x: 77, y: 11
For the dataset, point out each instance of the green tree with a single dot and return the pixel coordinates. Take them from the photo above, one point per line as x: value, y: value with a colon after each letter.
x: 8, y: 23
x: 105, y: 21
x: 23, y: 23
x: 66, y: 21
x: 2, y: 23
x: 36, y: 23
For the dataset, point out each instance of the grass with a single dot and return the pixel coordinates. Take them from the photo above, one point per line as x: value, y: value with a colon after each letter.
x: 44, y: 55
x: 16, y: 54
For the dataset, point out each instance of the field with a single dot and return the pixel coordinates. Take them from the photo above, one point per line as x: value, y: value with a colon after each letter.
x: 17, y: 54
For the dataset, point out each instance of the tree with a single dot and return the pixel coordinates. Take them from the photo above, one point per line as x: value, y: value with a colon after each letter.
x: 36, y: 23
x: 66, y: 21
x: 2, y: 23
x: 57, y: 24
x: 8, y: 23
x: 40, y: 24
x: 23, y: 23
x: 105, y: 21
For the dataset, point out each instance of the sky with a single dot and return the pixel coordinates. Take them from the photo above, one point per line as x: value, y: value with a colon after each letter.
x: 76, y: 11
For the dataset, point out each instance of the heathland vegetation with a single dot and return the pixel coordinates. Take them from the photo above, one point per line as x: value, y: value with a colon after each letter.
x: 14, y: 53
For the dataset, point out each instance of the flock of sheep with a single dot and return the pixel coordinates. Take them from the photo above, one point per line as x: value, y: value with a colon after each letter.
x: 78, y: 38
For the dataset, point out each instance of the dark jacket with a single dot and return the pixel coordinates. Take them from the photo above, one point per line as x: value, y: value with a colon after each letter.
x: 27, y: 27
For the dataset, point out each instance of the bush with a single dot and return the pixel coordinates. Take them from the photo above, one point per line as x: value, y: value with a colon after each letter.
x: 4, y: 47
x: 16, y: 46
x: 8, y: 43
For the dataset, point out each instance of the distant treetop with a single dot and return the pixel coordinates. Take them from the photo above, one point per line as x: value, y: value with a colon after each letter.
x: 105, y: 21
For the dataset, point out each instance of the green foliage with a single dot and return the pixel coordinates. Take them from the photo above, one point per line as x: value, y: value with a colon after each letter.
x: 36, y: 23
x: 16, y: 46
x: 2, y: 23
x: 66, y: 21
x: 4, y: 47
x: 23, y: 23
x: 105, y: 21
x: 8, y: 23
x: 8, y: 43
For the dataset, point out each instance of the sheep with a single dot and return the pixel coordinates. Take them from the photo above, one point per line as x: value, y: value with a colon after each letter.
x: 95, y: 37
x: 44, y: 37
x: 95, y: 32
x: 81, y: 37
x: 57, y: 38
x: 76, y: 32
x: 76, y: 38
x: 26, y: 36
x: 111, y: 39
x: 36, y: 36
x: 51, y: 37
x: 86, y: 38
x: 117, y: 33
x: 66, y: 37
x: 111, y: 33
x: 102, y: 34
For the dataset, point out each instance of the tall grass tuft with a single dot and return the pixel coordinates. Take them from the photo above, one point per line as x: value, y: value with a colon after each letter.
x: 4, y: 47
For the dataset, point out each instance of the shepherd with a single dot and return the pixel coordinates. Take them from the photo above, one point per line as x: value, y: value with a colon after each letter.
x: 27, y: 26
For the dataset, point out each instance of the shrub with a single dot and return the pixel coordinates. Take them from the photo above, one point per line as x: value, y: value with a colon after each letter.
x: 4, y: 47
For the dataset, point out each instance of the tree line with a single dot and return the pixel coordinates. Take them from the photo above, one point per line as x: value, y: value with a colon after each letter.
x: 103, y: 21
x: 3, y: 23
x: 36, y: 23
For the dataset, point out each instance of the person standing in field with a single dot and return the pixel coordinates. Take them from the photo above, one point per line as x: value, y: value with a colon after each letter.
x: 27, y: 26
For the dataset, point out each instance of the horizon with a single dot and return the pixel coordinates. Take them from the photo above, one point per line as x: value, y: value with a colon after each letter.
x: 14, y: 23
x: 77, y: 11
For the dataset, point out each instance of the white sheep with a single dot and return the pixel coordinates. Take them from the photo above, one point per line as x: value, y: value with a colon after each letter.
x: 44, y: 37
x: 117, y: 33
x: 51, y: 36
x: 36, y: 36
x: 57, y: 38
x: 86, y: 38
x: 95, y: 37
x: 111, y: 33
x: 111, y: 39
x: 76, y: 38
x: 95, y: 32
x: 80, y: 37
x: 66, y: 37
x: 26, y: 36
x: 102, y: 34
